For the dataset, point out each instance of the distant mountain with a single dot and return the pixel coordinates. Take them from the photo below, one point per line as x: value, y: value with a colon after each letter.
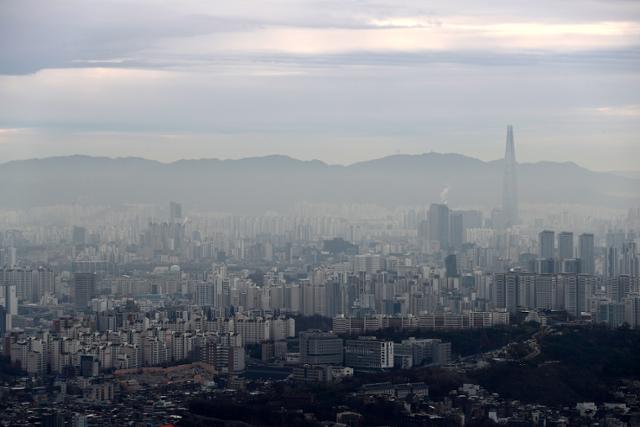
x: 276, y: 182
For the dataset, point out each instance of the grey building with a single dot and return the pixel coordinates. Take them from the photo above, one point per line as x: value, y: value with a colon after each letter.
x: 456, y: 221
x: 84, y: 288
x: 565, y: 245
x: 368, y: 353
x: 439, y: 225
x: 320, y: 348
x: 586, y: 253
x: 546, y: 244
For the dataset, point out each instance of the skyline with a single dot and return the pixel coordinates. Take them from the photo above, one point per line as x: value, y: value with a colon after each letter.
x: 191, y: 80
x: 320, y: 213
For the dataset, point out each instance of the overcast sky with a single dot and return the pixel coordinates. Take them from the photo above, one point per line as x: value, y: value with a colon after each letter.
x: 338, y: 80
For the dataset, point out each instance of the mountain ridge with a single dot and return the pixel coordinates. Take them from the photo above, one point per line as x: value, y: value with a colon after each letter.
x: 275, y: 182
x: 286, y: 157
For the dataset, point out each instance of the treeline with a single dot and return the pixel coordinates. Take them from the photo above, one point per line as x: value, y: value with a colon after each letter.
x: 466, y: 342
x: 575, y: 364
x: 316, y: 321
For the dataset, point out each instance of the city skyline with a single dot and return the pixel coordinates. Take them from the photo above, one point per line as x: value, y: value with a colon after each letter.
x: 319, y: 213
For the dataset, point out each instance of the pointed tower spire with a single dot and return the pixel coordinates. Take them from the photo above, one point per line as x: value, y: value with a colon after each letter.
x: 510, y: 182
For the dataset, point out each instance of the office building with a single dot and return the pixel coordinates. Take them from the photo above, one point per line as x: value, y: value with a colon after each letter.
x: 175, y: 212
x: 586, y: 253
x: 368, y: 353
x: 505, y: 291
x: 84, y: 288
x: 9, y: 299
x: 456, y: 230
x: 204, y: 294
x: 629, y: 261
x: 565, y: 245
x: 320, y: 348
x: 546, y: 244
x: 439, y: 226
x: 451, y: 265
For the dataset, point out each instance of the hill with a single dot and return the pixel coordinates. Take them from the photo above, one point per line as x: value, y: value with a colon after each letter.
x: 276, y: 182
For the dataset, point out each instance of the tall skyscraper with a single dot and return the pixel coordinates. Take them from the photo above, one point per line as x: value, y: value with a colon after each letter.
x: 13, y: 259
x: 9, y: 298
x: 611, y: 262
x: 586, y: 254
x: 505, y: 293
x: 175, y: 212
x: 510, y: 183
x: 456, y: 235
x: 546, y: 244
x: 439, y: 225
x: 565, y: 245
x: 451, y: 265
x: 8, y: 306
x: 630, y: 263
x: 3, y: 320
x: 84, y: 288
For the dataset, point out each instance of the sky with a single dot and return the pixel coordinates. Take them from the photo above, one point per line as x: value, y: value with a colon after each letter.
x: 337, y: 80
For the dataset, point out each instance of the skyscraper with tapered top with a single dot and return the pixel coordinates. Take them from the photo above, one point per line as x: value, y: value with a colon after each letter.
x: 510, y: 183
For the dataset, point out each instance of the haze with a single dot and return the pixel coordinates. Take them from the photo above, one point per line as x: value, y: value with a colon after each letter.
x: 340, y: 81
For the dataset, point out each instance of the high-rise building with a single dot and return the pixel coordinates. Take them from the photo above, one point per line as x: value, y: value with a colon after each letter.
x: 611, y: 313
x: 545, y: 266
x: 3, y: 320
x: 79, y: 236
x: 456, y: 221
x: 632, y: 311
x: 368, y: 263
x: 21, y: 279
x: 505, y: 291
x: 618, y: 288
x: 576, y: 289
x: 225, y: 352
x: 451, y: 265
x: 471, y: 219
x: 439, y: 225
x: 368, y: 353
x: 615, y: 239
x: 570, y: 265
x: 565, y: 245
x: 175, y: 212
x: 320, y: 348
x: 586, y: 253
x: 611, y: 262
x: 510, y: 183
x: 546, y: 244
x: 9, y: 298
x: 544, y: 291
x: 13, y: 258
x: 629, y: 262
x: 84, y: 288
x: 204, y: 294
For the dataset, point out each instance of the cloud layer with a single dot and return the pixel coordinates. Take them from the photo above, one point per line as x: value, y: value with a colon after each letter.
x: 337, y: 80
